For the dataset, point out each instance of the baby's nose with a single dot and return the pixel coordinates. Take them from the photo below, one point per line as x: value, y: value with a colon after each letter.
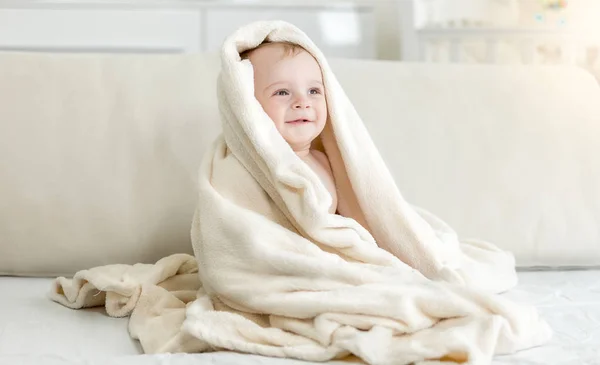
x: 301, y: 104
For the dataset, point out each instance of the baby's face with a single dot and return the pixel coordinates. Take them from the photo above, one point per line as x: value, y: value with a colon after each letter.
x: 290, y: 90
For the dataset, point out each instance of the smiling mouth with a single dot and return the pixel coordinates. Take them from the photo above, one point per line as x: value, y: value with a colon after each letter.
x: 298, y: 121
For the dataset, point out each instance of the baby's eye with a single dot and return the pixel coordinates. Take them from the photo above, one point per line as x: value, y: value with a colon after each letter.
x: 281, y: 92
x: 315, y: 91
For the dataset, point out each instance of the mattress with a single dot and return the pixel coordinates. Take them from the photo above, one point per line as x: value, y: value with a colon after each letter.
x: 35, y: 330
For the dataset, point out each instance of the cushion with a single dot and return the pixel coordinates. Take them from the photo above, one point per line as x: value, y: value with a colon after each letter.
x: 99, y: 154
x: 98, y: 157
x: 506, y: 154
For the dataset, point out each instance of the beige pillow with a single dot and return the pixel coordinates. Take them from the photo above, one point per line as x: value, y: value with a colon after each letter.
x: 99, y: 154
x: 507, y: 154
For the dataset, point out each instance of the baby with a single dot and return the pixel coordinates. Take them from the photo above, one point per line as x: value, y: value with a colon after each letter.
x: 288, y: 83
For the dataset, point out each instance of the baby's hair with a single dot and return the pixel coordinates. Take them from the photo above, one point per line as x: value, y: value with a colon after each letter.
x: 289, y: 49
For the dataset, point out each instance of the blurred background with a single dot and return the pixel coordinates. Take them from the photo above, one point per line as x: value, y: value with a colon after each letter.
x: 442, y: 31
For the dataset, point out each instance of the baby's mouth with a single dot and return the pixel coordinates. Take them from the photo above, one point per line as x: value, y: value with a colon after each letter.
x: 298, y: 121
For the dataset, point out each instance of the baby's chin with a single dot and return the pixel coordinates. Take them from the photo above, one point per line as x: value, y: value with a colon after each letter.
x: 299, y: 138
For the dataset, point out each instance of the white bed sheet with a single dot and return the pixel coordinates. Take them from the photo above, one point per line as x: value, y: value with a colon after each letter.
x: 34, y: 330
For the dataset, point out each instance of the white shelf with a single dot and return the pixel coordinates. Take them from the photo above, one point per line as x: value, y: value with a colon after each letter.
x: 340, y: 29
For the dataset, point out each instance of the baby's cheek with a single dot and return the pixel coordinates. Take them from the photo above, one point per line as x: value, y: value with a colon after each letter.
x: 271, y: 111
x: 276, y: 117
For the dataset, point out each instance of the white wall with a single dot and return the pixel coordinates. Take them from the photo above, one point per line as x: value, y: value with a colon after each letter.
x: 388, y: 28
x: 583, y: 15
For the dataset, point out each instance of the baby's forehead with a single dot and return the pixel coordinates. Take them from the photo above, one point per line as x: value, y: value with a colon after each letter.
x: 270, y: 52
x: 275, y: 63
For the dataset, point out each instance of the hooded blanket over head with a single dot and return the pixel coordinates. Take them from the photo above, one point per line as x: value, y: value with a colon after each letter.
x: 384, y: 280
x: 280, y: 276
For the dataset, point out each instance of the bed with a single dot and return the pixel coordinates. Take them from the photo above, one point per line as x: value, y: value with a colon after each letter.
x: 35, y: 330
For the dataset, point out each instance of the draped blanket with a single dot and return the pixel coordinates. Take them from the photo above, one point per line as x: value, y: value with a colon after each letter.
x: 276, y: 274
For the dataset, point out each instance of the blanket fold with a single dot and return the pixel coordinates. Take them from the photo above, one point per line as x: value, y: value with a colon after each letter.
x: 385, y: 281
x: 382, y: 271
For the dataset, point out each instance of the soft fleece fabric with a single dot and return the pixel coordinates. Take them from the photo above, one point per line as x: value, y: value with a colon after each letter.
x: 278, y: 275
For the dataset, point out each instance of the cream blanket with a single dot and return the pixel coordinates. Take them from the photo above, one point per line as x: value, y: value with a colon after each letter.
x: 275, y: 274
